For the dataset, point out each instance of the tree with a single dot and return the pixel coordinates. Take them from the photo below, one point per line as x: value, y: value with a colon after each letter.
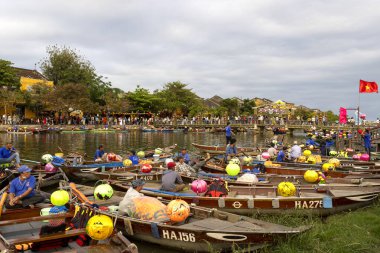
x: 10, y: 98
x: 331, y: 117
x: 8, y: 77
x: 38, y: 98
x: 232, y: 106
x: 247, y: 107
x: 178, y: 99
x: 116, y: 100
x: 303, y: 113
x: 141, y: 100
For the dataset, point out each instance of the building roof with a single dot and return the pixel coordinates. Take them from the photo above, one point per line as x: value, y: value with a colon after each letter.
x: 29, y: 73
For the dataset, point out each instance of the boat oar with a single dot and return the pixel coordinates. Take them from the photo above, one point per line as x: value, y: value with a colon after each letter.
x: 29, y: 161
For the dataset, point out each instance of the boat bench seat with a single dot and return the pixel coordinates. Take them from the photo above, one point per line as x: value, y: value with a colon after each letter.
x: 41, y: 238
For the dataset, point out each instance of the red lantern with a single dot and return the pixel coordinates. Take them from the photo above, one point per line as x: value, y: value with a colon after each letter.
x: 146, y: 168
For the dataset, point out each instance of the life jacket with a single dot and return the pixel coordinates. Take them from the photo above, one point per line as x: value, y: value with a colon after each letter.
x: 217, y: 188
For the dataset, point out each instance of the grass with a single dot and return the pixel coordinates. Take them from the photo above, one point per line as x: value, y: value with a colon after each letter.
x: 356, y: 231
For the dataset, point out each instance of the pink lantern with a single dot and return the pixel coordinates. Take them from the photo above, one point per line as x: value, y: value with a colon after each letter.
x: 265, y: 155
x: 199, y: 186
x: 363, y: 116
x: 364, y: 157
x: 49, y: 168
x: 356, y: 157
x: 146, y: 168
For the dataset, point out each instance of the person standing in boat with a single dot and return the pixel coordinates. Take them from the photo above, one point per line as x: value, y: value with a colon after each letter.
x: 185, y: 155
x: 134, y: 158
x: 367, y: 142
x: 99, y: 154
x: 172, y: 180
x: 8, y: 153
x: 21, y: 190
x: 133, y: 192
x: 231, y: 150
x: 228, y: 133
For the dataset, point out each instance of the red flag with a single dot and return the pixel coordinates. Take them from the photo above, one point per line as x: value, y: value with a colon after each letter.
x: 342, y: 115
x: 368, y: 87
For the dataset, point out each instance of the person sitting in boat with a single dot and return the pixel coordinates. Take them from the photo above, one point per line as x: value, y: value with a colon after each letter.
x: 8, y: 153
x: 171, y: 180
x: 21, y: 190
x: 133, y: 192
x: 134, y: 158
x: 99, y: 154
x: 272, y: 151
x: 231, y: 149
x: 184, y: 168
x: 295, y: 151
x: 185, y: 155
x: 281, y: 155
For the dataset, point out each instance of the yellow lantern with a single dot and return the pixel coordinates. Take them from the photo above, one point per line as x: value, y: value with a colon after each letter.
x: 311, y: 176
x: 286, y: 189
x: 59, y: 198
x: 99, y: 227
x: 178, y: 210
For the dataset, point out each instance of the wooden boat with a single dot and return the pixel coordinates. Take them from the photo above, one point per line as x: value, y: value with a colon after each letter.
x: 222, y: 149
x: 250, y: 200
x: 204, y: 227
x: 74, y: 131
x: 19, y: 132
x: 102, y: 130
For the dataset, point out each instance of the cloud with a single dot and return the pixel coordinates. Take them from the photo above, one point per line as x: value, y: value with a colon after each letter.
x: 310, y: 53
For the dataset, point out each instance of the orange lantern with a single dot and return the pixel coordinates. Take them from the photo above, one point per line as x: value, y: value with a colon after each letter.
x: 178, y: 210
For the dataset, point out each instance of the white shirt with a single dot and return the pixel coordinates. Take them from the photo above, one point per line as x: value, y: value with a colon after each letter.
x: 272, y: 151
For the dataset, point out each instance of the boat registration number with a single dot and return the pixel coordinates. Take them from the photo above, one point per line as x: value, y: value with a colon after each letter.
x: 308, y: 204
x: 178, y: 236
x: 147, y: 178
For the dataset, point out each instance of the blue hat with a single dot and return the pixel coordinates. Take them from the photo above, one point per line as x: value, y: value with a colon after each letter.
x: 138, y: 182
x: 24, y: 168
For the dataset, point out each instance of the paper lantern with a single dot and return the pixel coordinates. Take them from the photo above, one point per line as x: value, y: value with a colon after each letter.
x: 178, y: 210
x: 199, y: 186
x: 333, y: 153
x: 311, y: 176
x: 158, y: 151
x: 59, y: 198
x: 235, y: 160
x: 286, y: 189
x: 146, y: 168
x: 356, y: 157
x: 307, y: 153
x: 111, y: 157
x: 49, y: 168
x: 141, y: 154
x: 232, y: 169
x: 127, y: 162
x: 247, y: 159
x: 335, y: 161
x: 327, y: 166
x: 168, y: 160
x: 99, y: 227
x: 103, y: 192
x: 311, y: 160
x: 265, y: 155
x: 364, y: 157
x: 47, y: 158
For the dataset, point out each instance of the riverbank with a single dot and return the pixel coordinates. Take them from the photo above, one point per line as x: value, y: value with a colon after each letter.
x: 4, y: 128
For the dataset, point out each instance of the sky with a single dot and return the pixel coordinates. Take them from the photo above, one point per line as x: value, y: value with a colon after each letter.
x: 306, y: 52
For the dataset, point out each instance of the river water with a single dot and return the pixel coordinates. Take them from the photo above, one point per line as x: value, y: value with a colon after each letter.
x: 32, y: 147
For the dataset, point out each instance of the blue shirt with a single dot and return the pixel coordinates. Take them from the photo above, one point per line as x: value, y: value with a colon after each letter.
x: 98, y: 154
x: 367, y: 141
x: 231, y: 150
x: 186, y: 157
x: 311, y: 142
x: 280, y: 156
x: 228, y: 131
x: 329, y: 143
x: 18, y: 187
x: 134, y: 159
x: 5, y: 153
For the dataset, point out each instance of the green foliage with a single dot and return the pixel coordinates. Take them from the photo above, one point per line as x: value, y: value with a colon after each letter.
x: 247, y: 107
x: 8, y: 77
x: 38, y: 98
x: 141, y: 100
x: 331, y: 117
x: 10, y: 98
x: 178, y: 99
x: 232, y: 106
x: 303, y: 113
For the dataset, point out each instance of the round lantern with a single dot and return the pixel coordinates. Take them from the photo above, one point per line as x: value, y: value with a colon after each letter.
x: 247, y: 159
x: 232, y: 169
x: 364, y: 157
x: 311, y: 147
x: 307, y: 153
x: 168, y: 160
x: 327, y: 166
x: 103, y: 192
x: 356, y: 157
x: 178, y: 210
x: 235, y: 160
x: 47, y: 158
x: 111, y: 157
x: 286, y: 189
x: 146, y: 168
x: 141, y: 154
x: 158, y: 151
x: 127, y: 162
x: 311, y: 160
x: 99, y: 227
x: 59, y: 198
x: 265, y: 155
x: 335, y: 161
x: 268, y: 163
x: 333, y: 153
x: 49, y: 168
x: 301, y: 159
x: 199, y: 186
x: 311, y: 176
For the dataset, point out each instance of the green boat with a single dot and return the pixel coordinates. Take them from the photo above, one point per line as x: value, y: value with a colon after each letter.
x: 74, y: 131
x: 102, y: 131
